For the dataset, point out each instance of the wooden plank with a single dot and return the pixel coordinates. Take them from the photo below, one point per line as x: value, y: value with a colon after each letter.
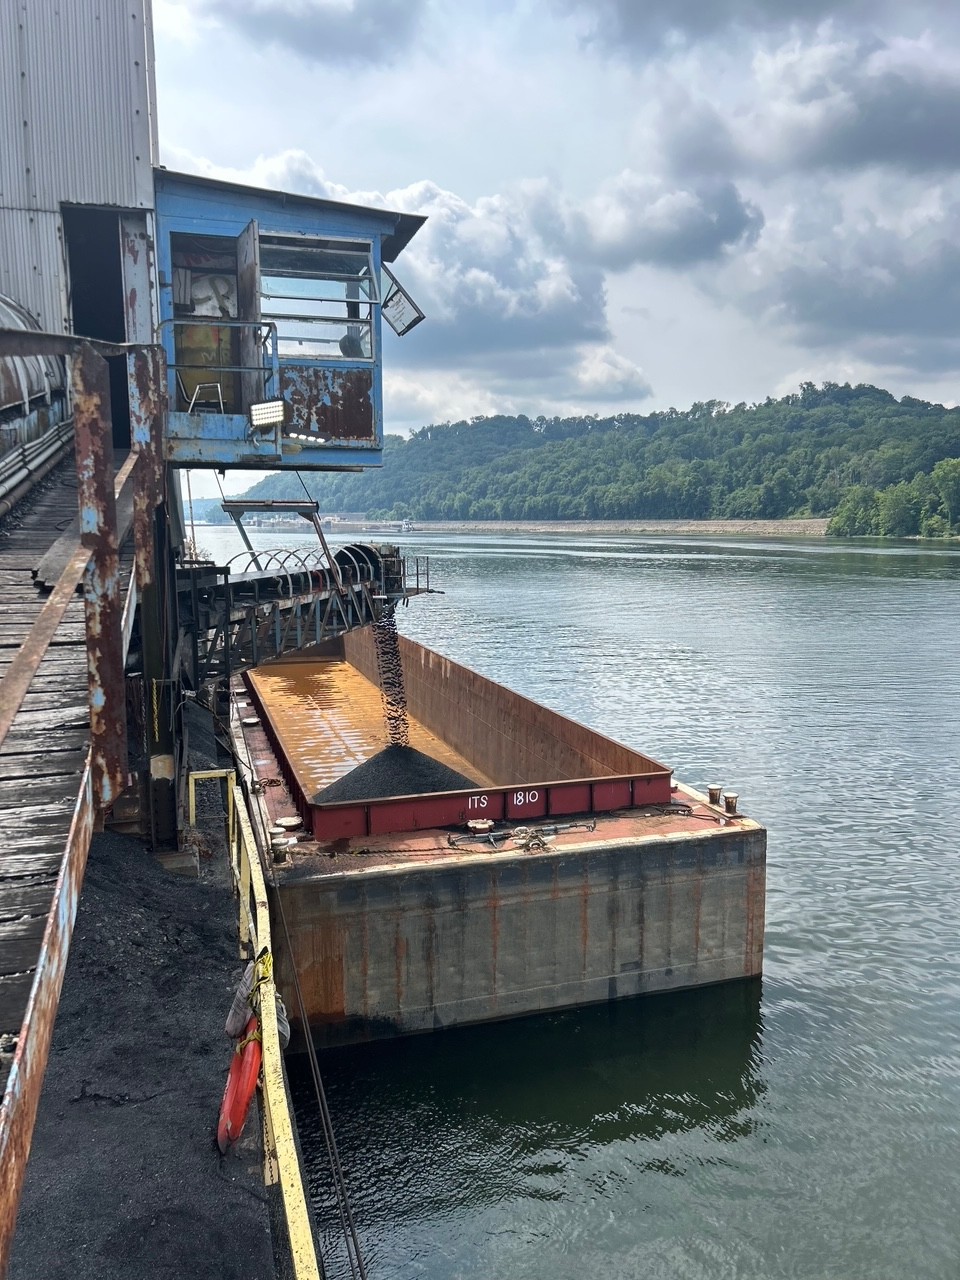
x: 14, y: 993
x: 51, y: 763
x: 20, y: 943
x: 29, y: 793
x: 29, y: 896
x: 20, y: 863
x: 23, y: 829
x: 19, y: 742
x: 42, y: 721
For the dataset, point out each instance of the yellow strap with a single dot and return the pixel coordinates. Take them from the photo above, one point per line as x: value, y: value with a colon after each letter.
x: 263, y: 972
x: 254, y: 1035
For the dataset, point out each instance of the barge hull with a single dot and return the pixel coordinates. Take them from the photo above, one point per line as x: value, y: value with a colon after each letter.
x: 407, y: 949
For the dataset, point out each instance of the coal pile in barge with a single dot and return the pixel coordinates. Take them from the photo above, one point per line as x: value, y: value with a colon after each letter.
x: 395, y: 771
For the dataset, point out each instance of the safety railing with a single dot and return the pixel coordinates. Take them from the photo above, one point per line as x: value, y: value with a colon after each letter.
x: 201, y: 381
x: 281, y: 1160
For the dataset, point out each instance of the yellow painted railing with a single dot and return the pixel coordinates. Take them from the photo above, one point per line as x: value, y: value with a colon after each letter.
x: 281, y: 1163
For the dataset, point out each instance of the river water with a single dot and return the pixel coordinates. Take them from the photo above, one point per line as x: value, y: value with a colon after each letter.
x: 802, y: 1126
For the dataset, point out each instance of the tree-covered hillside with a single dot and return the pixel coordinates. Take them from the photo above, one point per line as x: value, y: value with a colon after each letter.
x: 877, y: 464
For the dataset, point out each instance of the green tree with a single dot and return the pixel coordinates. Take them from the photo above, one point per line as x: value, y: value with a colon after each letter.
x: 946, y: 476
x: 857, y: 515
x: 898, y: 511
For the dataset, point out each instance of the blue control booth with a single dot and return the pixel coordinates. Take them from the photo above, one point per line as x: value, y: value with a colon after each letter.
x: 270, y: 315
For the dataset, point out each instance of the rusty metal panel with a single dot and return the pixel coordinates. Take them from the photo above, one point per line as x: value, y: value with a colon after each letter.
x: 147, y: 379
x: 331, y: 403
x: 139, y: 302
x: 101, y: 584
x: 19, y: 1109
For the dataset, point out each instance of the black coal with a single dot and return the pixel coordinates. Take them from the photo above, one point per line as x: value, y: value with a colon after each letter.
x: 394, y: 771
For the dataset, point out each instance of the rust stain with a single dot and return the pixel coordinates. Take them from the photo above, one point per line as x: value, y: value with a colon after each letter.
x: 328, y: 958
x: 147, y: 374
x: 93, y: 434
x: 493, y: 905
x: 756, y: 909
x: 331, y: 404
x: 585, y: 917
x: 399, y: 960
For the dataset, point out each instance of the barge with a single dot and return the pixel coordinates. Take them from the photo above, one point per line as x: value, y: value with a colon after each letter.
x: 571, y: 870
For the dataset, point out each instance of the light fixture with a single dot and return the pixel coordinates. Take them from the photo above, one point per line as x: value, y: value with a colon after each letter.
x: 267, y: 415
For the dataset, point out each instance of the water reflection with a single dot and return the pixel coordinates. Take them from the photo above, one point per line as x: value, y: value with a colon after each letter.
x: 457, y: 1131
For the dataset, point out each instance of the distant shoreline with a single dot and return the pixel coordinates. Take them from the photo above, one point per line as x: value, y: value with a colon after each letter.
x: 734, y: 528
x: 730, y: 528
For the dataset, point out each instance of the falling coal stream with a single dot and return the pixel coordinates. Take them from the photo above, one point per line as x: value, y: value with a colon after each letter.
x: 390, y: 675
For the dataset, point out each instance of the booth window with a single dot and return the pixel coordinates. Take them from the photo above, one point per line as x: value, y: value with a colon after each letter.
x: 206, y: 350
x: 321, y: 295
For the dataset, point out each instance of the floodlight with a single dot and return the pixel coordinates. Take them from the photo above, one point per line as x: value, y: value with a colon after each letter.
x: 267, y: 415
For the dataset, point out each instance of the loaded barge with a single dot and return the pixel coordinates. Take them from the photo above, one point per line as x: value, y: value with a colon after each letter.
x: 569, y: 870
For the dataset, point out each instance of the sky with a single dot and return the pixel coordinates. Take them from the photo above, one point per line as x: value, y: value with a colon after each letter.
x: 631, y: 204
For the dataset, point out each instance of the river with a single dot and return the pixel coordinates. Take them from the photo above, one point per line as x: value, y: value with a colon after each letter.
x: 802, y: 1126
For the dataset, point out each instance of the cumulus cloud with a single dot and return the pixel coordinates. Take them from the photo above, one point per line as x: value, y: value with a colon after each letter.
x: 843, y: 104
x: 603, y: 374
x: 640, y: 219
x: 646, y: 27
x: 324, y: 30
x: 882, y: 286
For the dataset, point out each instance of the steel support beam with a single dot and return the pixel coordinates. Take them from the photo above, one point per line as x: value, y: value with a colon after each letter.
x: 93, y: 432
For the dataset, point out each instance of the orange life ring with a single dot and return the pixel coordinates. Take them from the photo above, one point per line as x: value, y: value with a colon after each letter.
x: 241, y: 1082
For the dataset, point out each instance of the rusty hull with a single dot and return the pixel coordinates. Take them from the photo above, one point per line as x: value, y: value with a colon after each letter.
x: 333, y: 404
x: 464, y: 936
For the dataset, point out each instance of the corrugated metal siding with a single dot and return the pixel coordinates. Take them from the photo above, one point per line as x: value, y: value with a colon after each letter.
x: 77, y: 126
x: 31, y: 265
x: 82, y: 121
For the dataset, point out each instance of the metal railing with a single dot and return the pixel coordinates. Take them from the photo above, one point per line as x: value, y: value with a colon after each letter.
x: 281, y: 1160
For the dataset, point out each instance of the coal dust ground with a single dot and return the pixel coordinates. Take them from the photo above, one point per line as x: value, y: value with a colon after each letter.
x: 394, y: 771
x: 124, y: 1177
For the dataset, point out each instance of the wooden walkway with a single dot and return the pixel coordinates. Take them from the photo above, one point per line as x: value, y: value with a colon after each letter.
x: 43, y: 756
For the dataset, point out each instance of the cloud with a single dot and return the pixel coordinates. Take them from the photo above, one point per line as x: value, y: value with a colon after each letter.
x: 638, y: 219
x: 602, y: 374
x: 881, y: 286
x: 647, y: 27
x: 849, y: 104
x: 330, y: 31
